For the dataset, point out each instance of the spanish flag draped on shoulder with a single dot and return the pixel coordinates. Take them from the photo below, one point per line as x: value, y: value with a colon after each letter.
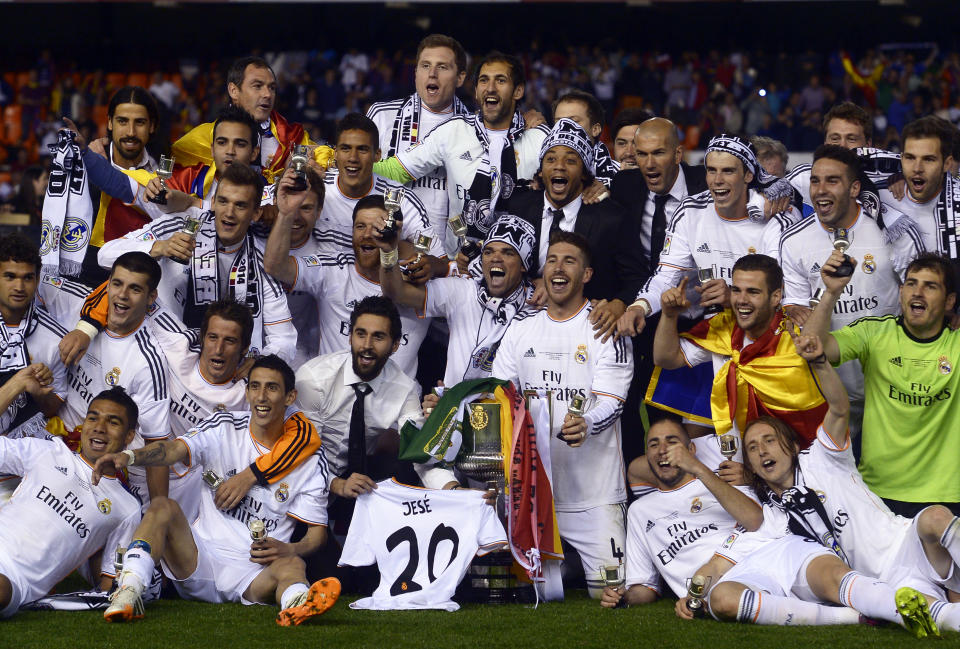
x: 532, y: 521
x: 765, y: 377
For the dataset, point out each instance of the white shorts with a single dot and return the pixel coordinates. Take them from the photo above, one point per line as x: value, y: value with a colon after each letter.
x: 779, y: 567
x: 22, y: 591
x: 186, y: 492
x: 907, y: 565
x: 598, y: 535
x: 218, y: 578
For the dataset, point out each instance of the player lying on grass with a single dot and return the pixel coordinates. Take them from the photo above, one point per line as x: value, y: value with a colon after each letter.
x: 55, y: 521
x: 213, y: 559
x: 820, y: 494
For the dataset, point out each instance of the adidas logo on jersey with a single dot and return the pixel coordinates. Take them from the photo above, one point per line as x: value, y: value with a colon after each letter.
x: 62, y: 469
x: 530, y: 353
x: 815, y: 269
x: 650, y: 525
x: 896, y: 360
x: 703, y: 247
x: 466, y: 156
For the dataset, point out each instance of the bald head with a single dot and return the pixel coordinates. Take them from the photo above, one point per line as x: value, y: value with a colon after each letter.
x: 658, y: 153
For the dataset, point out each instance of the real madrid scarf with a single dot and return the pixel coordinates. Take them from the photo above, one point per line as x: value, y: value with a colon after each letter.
x: 946, y: 212
x: 772, y: 187
x: 500, y: 312
x: 67, y: 210
x: 766, y: 377
x: 807, y: 517
x: 606, y: 166
x: 13, y: 342
x: 406, y: 125
x: 243, y: 284
x: 496, y: 178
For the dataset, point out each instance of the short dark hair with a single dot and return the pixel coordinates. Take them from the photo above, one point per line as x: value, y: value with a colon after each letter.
x: 18, y: 248
x: 237, y: 115
x: 850, y: 112
x: 937, y: 263
x: 789, y: 442
x: 517, y: 74
x: 595, y: 111
x: 574, y: 239
x: 358, y: 122
x: 277, y: 364
x: 842, y: 155
x: 930, y: 126
x: 442, y: 40
x: 234, y: 312
x: 139, y: 262
x: 317, y: 186
x: 243, y: 176
x: 238, y: 68
x: 134, y: 95
x: 371, y: 202
x: 674, y: 422
x: 118, y: 395
x: 381, y: 306
x: 628, y: 116
x: 765, y: 264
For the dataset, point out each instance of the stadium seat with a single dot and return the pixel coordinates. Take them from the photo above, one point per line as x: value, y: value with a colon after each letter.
x: 138, y: 79
x: 13, y: 123
x: 691, y: 137
x: 100, y: 119
x: 116, y: 80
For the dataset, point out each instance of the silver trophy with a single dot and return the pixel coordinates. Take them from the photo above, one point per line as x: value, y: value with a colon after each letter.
x: 841, y: 241
x: 164, y: 173
x: 696, y: 589
x: 212, y: 479
x: 298, y: 162
x: 729, y: 444
x: 422, y: 246
x: 191, y: 224
x: 575, y: 408
x: 258, y: 529
x: 705, y: 275
x: 481, y: 453
x: 391, y: 202
x: 118, y: 560
x: 612, y: 575
x: 816, y: 297
x: 468, y: 247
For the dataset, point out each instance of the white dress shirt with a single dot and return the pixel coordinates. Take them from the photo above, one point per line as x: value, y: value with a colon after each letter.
x: 567, y: 223
x: 677, y: 193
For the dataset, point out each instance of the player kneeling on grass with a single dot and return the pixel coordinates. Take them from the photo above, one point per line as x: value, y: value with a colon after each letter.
x: 55, y: 521
x: 213, y: 559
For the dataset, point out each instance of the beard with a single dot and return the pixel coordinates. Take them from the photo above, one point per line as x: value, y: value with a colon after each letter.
x: 373, y: 372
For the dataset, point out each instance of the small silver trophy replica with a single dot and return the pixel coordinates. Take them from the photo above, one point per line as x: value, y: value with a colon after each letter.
x: 612, y: 575
x: 816, y: 297
x: 164, y: 173
x: 191, y: 224
x: 841, y: 241
x: 468, y: 247
x: 258, y: 529
x: 298, y: 162
x: 391, y: 202
x: 705, y: 275
x: 212, y: 479
x: 696, y: 588
x: 729, y: 444
x: 575, y: 408
x: 422, y: 246
x: 118, y: 559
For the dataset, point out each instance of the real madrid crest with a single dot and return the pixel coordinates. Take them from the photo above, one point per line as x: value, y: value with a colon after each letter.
x: 479, y: 418
x: 944, y: 365
x: 220, y: 407
x: 282, y: 492
x: 822, y: 496
x: 696, y: 506
x: 112, y: 377
x: 581, y: 355
x: 104, y: 506
x: 752, y: 250
x: 869, y: 264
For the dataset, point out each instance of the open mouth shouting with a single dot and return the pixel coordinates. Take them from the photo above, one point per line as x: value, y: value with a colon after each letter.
x: 98, y: 443
x: 918, y: 184
x: 558, y: 184
x: 433, y: 90
x: 366, y: 361
x: 917, y: 308
x: 720, y: 195
x: 824, y: 206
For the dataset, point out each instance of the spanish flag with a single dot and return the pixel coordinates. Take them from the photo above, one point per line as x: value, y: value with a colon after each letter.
x: 765, y: 377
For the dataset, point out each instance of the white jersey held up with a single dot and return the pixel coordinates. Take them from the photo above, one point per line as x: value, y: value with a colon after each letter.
x: 422, y: 540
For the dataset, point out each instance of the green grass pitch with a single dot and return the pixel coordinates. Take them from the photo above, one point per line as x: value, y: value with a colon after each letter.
x: 578, y: 622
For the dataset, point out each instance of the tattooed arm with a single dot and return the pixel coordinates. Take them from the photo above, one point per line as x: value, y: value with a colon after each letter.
x: 162, y: 453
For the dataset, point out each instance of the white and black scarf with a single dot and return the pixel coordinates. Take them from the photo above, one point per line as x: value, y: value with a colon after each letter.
x: 605, y: 166
x: 769, y: 185
x: 501, y: 312
x: 948, y: 205
x: 406, y: 125
x: 494, y: 180
x: 67, y: 219
x: 808, y: 517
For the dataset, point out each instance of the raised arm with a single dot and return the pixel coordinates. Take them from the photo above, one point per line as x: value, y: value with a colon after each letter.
x: 818, y: 324
x: 836, y: 421
x: 391, y: 280
x: 666, y: 340
x: 276, y: 255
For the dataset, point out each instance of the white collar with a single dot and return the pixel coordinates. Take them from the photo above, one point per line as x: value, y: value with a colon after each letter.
x: 350, y: 378
x: 570, y: 210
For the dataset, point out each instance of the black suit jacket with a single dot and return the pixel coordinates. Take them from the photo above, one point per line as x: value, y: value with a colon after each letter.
x: 629, y: 188
x: 618, y: 270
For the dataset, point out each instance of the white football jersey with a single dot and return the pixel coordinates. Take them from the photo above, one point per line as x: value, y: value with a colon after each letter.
x: 224, y: 444
x: 670, y: 534
x: 56, y: 519
x: 335, y: 223
x: 923, y: 215
x: 337, y: 286
x: 422, y: 540
x: 303, y: 308
x: 564, y: 358
x: 874, y: 289
x: 698, y: 237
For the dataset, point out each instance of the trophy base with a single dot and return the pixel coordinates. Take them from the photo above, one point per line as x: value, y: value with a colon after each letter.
x: 495, y: 579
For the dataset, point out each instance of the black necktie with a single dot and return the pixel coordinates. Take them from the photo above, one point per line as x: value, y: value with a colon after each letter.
x: 659, y: 229
x: 357, y: 448
x: 557, y: 217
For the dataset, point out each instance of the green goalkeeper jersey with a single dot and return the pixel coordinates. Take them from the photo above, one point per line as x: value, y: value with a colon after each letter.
x: 911, y: 423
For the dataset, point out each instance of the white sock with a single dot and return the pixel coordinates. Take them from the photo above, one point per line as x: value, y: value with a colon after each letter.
x: 291, y: 592
x: 872, y: 597
x: 946, y: 615
x: 951, y: 540
x: 137, y: 566
x: 767, y: 609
